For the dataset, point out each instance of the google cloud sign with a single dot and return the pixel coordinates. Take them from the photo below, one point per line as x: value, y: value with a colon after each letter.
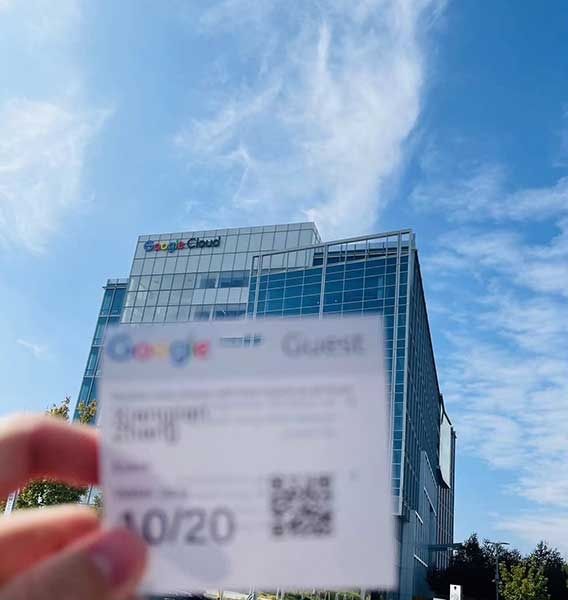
x: 152, y: 246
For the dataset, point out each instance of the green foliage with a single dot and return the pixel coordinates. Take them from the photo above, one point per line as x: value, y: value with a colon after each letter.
x: 47, y: 492
x: 554, y: 568
x: 473, y: 567
x: 98, y: 503
x: 524, y: 581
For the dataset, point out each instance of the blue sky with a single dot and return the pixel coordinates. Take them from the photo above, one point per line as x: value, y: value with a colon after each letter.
x: 122, y: 118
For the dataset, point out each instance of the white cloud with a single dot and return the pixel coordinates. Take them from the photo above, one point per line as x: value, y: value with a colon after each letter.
x: 42, y: 152
x: 504, y: 371
x: 320, y: 127
x: 531, y: 526
x: 37, y: 350
x: 482, y: 193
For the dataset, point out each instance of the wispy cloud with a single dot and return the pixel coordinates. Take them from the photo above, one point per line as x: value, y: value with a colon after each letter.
x: 505, y: 370
x: 531, y: 526
x: 319, y: 128
x: 44, y: 133
x: 39, y: 351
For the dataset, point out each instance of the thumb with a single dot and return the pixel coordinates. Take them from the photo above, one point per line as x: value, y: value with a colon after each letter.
x: 106, y: 566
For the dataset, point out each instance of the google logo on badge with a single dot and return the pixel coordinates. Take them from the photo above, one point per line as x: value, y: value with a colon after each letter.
x: 122, y: 348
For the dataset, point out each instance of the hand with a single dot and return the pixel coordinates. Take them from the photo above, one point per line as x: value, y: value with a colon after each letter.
x: 60, y: 553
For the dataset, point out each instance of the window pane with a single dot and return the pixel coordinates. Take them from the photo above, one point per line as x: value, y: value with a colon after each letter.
x: 167, y: 281
x: 178, y: 282
x: 152, y: 299
x: 107, y: 298
x: 117, y: 301
x: 175, y: 297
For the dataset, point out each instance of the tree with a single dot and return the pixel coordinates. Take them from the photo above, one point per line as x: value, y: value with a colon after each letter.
x: 472, y: 567
x: 554, y: 568
x: 524, y: 581
x: 46, y: 492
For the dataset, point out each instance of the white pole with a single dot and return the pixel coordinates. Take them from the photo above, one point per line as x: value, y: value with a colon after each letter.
x: 11, y: 502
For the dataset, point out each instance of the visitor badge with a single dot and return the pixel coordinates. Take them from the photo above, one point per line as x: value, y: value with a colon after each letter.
x: 250, y: 453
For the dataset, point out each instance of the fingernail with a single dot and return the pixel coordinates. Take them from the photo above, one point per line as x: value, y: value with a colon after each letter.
x: 119, y: 557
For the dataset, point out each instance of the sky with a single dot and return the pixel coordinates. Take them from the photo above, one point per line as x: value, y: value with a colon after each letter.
x: 124, y: 118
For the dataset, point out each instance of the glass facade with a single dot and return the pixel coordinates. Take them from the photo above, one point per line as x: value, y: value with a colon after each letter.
x: 284, y: 271
x: 111, y: 309
x: 186, y: 282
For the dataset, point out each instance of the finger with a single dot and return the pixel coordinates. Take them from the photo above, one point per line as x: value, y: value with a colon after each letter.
x: 28, y: 536
x: 108, y: 566
x: 32, y: 446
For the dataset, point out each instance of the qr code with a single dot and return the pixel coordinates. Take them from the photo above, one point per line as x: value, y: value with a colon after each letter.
x: 302, y: 505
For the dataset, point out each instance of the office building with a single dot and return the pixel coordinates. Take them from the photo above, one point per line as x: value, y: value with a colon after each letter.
x: 287, y: 271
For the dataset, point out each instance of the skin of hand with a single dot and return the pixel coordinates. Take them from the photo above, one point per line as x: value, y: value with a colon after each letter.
x: 60, y: 552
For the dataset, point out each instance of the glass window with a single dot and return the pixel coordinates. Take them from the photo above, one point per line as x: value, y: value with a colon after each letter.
x: 267, y: 241
x: 186, y: 296
x: 243, y: 242
x: 291, y: 291
x: 181, y: 264
x: 354, y: 284
x: 306, y: 237
x: 242, y: 261
x: 159, y: 265
x: 148, y: 266
x: 332, y: 299
x: 140, y: 299
x: 274, y: 293
x: 280, y: 240
x: 204, y: 262
x: 334, y: 286
x: 167, y: 281
x: 127, y: 315
x: 192, y: 263
x: 117, y: 301
x: 230, y: 244
x: 144, y: 283
x: 155, y: 281
x: 160, y: 314
x: 273, y: 305
x: 293, y: 239
x: 170, y: 264
x: 292, y: 303
x: 207, y: 280
x: 130, y: 297
x: 92, y: 361
x: 227, y: 263
x: 314, y: 288
x: 152, y: 299
x: 201, y: 313
x: 84, y: 393
x: 133, y: 284
x: 216, y: 260
x: 107, y: 299
x: 175, y: 297
x: 137, y: 315
x: 183, y: 313
x: 189, y: 281
x: 148, y: 315
x: 99, y: 331
x: 225, y: 279
x: 311, y: 301
x: 163, y: 297
x: 255, y: 241
x: 177, y: 282
x: 171, y: 314
x: 137, y: 267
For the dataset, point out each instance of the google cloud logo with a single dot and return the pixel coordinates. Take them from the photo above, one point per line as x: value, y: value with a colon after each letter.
x: 152, y: 246
x: 121, y: 348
